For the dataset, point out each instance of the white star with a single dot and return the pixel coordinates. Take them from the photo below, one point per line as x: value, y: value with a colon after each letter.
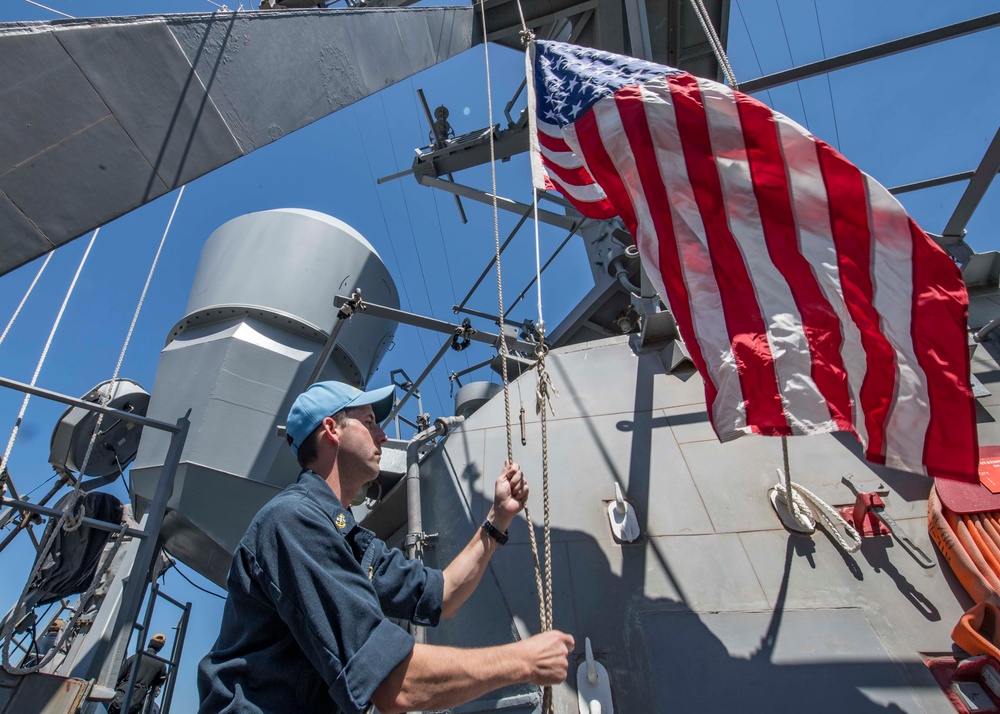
x: 575, y: 109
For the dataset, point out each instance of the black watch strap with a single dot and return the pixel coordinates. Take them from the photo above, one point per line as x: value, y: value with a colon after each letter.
x: 493, y: 532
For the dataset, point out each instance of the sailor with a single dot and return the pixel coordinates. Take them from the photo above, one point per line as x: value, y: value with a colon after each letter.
x: 44, y: 643
x: 306, y: 625
x: 151, y: 674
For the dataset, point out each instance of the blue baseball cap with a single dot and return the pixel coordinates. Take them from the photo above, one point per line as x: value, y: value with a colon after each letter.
x: 324, y: 399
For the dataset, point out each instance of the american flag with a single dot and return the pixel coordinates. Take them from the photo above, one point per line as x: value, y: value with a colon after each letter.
x: 808, y: 299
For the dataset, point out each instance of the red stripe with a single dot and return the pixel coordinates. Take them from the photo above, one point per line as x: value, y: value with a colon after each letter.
x: 845, y: 189
x: 819, y: 320
x: 633, y: 116
x: 746, y: 327
x: 602, y: 168
x: 552, y: 143
x: 940, y: 341
x: 592, y: 209
x: 571, y: 177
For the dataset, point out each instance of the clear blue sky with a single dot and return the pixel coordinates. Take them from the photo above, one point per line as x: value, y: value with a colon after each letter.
x: 914, y: 116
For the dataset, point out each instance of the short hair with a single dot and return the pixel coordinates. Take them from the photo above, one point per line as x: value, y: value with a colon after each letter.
x: 309, y: 449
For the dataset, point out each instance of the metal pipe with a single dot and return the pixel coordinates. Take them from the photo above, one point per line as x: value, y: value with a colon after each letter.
x: 502, y: 202
x: 327, y: 349
x: 979, y: 184
x: 414, y: 513
x: 128, y: 417
x: 55, y: 513
x: 931, y: 183
x: 176, y: 658
x: 429, y: 323
x: 870, y: 53
x: 416, y: 384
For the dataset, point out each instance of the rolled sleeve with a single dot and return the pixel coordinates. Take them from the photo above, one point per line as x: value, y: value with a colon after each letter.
x: 407, y: 589
x: 387, y: 646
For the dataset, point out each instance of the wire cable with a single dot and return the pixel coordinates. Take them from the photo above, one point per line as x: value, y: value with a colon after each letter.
x: 829, y: 85
x: 196, y: 585
x: 753, y: 48
x: 388, y: 235
x: 788, y: 44
x: 25, y: 298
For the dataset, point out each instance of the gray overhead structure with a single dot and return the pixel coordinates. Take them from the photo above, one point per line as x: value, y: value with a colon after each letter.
x: 158, y: 101
x: 260, y: 312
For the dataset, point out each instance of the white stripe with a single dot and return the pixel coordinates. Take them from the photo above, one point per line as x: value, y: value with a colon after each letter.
x: 705, y: 301
x: 552, y: 130
x: 805, y: 407
x: 591, y: 193
x: 812, y: 220
x: 565, y: 159
x: 892, y: 278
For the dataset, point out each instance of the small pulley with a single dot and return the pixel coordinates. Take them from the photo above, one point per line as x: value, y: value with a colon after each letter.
x: 117, y: 440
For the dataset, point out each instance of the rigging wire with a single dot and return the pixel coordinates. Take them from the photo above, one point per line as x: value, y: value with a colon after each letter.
x: 193, y: 583
x: 753, y: 48
x: 106, y: 398
x: 45, y: 352
x: 829, y: 85
x: 388, y: 234
x: 74, y: 510
x: 413, y: 237
x: 440, y: 224
x: 37, y: 4
x: 788, y: 44
x: 25, y: 298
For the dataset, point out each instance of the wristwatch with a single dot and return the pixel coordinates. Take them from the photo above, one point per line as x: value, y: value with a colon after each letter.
x: 493, y: 532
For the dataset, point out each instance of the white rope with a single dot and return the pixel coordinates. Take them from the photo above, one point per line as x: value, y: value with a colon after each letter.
x: 713, y: 39
x: 25, y: 298
x: 105, y: 398
x: 45, y: 352
x: 538, y: 263
x: 6, y: 636
x: 823, y: 513
x: 74, y: 510
x: 807, y: 509
x: 544, y: 590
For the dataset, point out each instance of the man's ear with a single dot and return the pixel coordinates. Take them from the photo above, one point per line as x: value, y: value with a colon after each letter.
x: 331, y: 431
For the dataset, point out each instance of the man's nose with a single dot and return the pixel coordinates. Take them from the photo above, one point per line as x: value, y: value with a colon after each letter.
x: 379, y: 435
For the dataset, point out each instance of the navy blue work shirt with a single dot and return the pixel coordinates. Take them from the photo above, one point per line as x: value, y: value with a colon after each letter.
x: 304, y: 628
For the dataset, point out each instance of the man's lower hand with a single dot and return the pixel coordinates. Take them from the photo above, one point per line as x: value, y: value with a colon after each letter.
x: 547, y: 655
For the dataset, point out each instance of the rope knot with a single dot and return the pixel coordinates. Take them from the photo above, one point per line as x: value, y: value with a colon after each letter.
x: 527, y: 37
x: 74, y: 518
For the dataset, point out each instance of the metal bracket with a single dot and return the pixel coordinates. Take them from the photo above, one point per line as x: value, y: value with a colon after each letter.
x: 419, y: 540
x: 868, y: 517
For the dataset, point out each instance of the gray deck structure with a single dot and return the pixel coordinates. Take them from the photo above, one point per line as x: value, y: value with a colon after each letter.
x: 717, y: 607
